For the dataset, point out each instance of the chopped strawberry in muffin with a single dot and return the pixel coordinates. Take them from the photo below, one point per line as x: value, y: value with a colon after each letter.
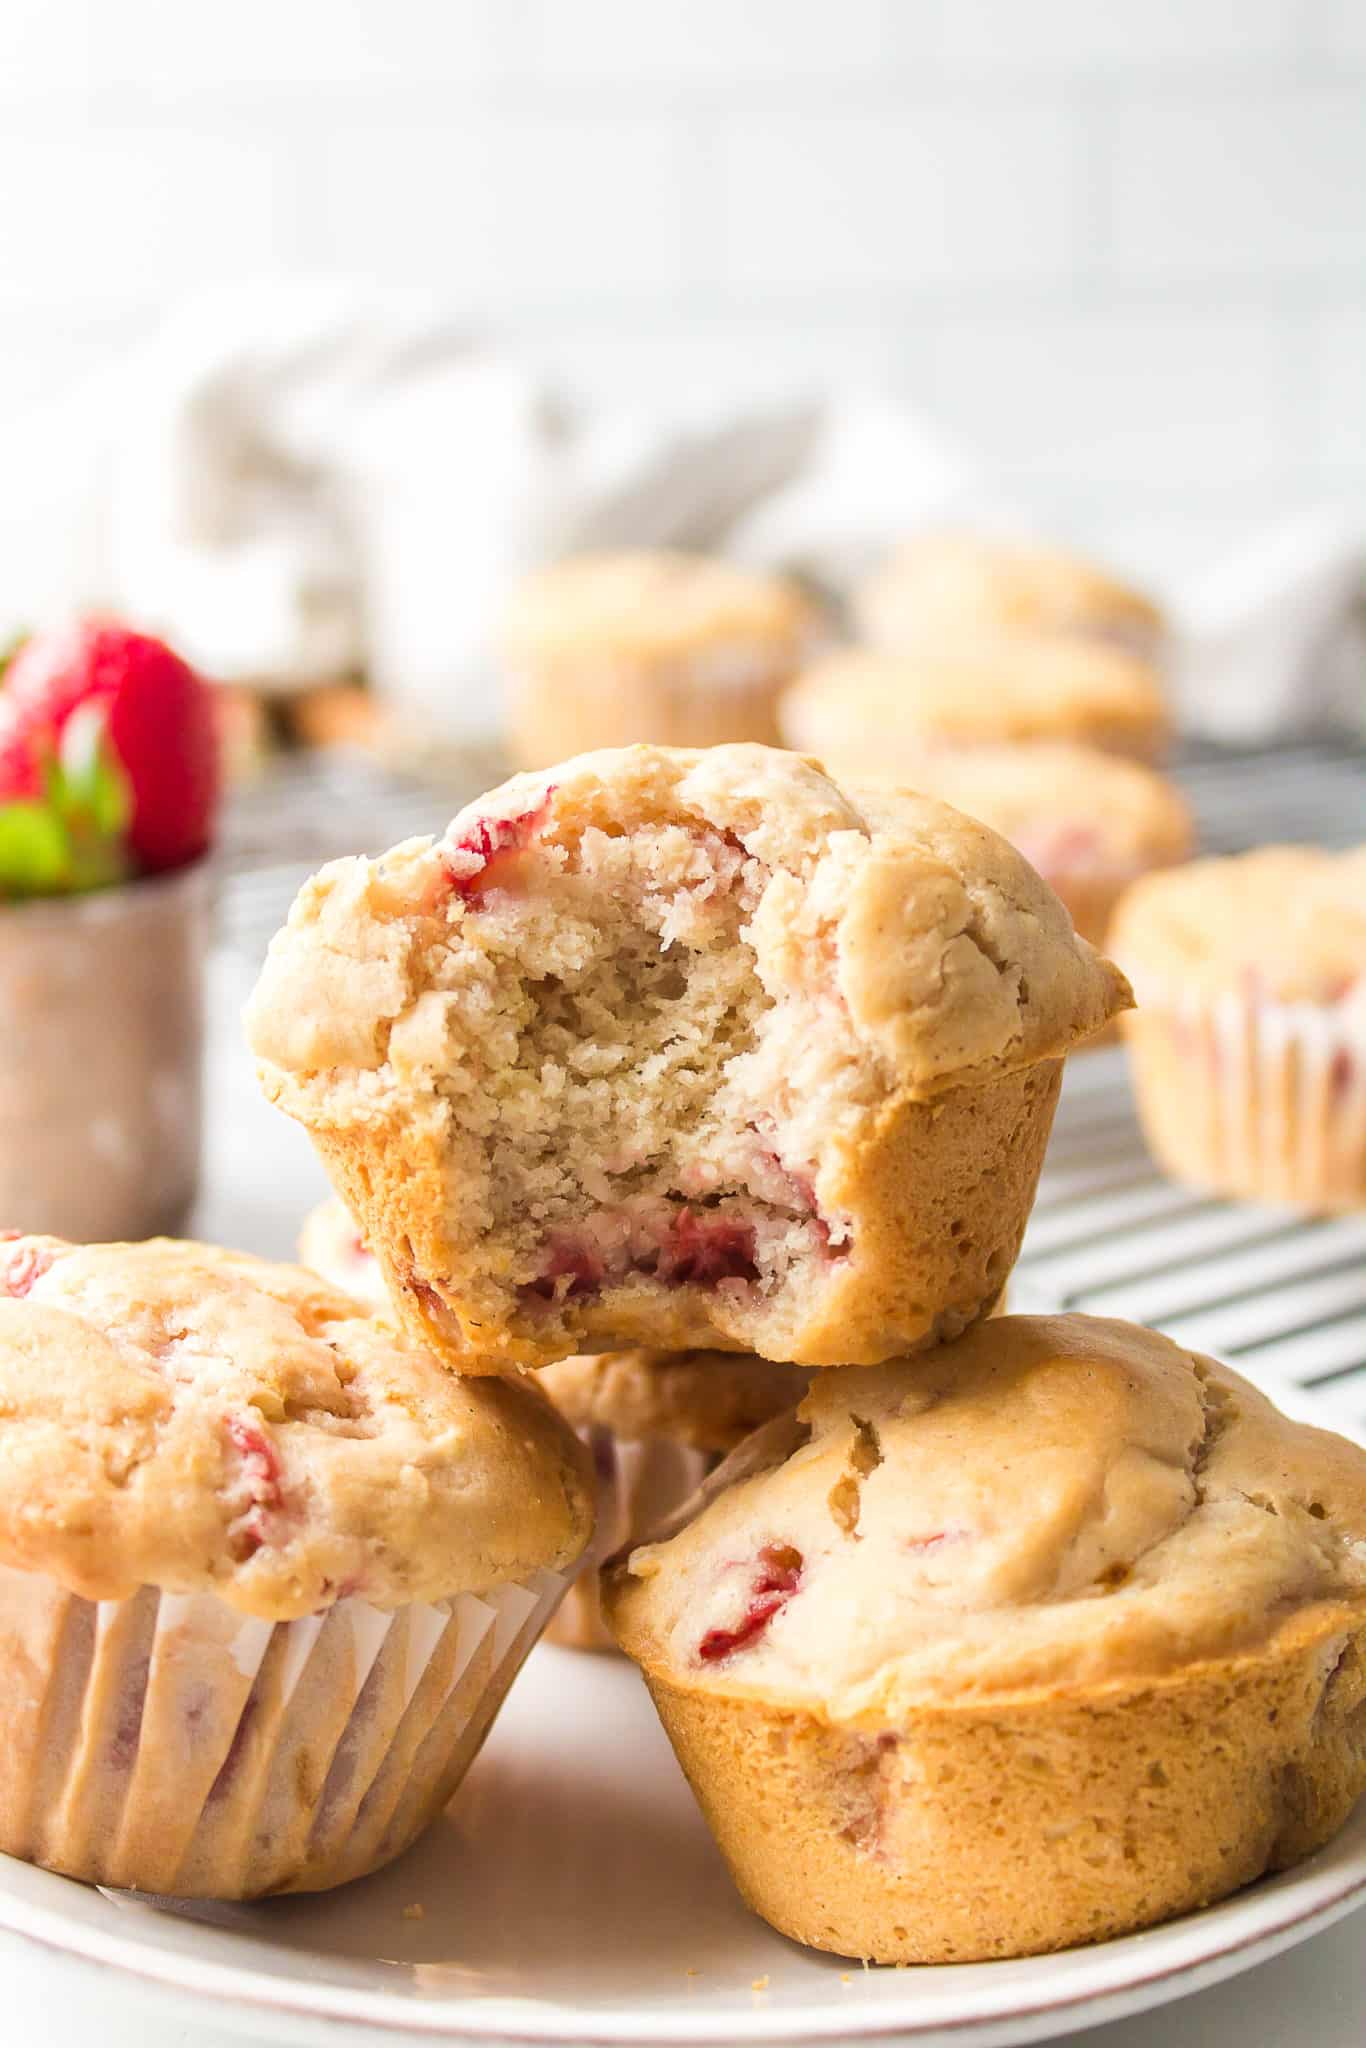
x: 779, y: 1576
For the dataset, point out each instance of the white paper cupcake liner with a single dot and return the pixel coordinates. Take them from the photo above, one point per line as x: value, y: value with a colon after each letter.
x: 167, y: 1744
x: 1256, y: 1098
x: 637, y: 1485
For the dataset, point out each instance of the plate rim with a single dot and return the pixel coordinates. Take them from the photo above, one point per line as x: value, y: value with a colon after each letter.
x: 1334, y: 1891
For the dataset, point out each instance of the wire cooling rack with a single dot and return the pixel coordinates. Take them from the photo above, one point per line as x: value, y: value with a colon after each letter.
x: 1282, y: 1297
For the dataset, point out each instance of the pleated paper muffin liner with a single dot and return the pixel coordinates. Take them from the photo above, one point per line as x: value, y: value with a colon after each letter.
x: 168, y: 1744
x: 1251, y: 1097
x: 637, y: 1485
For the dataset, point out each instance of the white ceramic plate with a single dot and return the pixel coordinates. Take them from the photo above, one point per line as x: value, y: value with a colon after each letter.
x: 572, y: 1894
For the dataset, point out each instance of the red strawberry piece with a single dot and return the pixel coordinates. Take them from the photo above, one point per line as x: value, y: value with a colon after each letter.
x: 260, y: 1471
x: 260, y: 1462
x: 427, y: 1296
x: 778, y: 1578
x: 701, y: 1250
x: 161, y: 726
x: 573, y: 1270
x: 23, y: 1268
x: 476, y: 861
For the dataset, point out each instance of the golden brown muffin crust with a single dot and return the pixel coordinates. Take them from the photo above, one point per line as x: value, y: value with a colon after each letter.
x: 1049, y: 1505
x: 1029, y: 1641
x: 183, y: 1417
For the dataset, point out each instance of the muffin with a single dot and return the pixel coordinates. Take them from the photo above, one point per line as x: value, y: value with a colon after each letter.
x: 1091, y: 823
x: 683, y: 1052
x: 988, y: 689
x: 1033, y: 1640
x: 655, y: 1425
x: 1249, y: 1053
x: 266, y: 1568
x: 681, y: 649
x: 937, y: 588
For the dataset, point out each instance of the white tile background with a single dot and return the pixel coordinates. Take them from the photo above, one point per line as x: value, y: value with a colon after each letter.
x: 1119, y: 243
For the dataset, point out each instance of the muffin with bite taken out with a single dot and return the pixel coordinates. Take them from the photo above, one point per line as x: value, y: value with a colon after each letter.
x: 679, y: 1052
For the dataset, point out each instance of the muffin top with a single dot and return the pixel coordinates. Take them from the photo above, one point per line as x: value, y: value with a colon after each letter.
x: 1048, y: 1505
x: 1061, y: 805
x: 708, y: 1400
x: 1284, y: 921
x: 330, y: 1243
x: 986, y: 688
x: 650, y: 603
x: 935, y: 586
x: 194, y: 1419
x: 943, y: 952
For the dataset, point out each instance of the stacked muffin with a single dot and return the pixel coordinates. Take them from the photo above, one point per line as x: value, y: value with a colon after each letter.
x: 1009, y: 1633
x: 659, y: 1412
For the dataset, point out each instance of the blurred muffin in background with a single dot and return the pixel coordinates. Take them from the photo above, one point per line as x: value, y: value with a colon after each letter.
x: 684, y: 650
x: 866, y: 705
x: 937, y: 588
x: 1249, y: 1048
x: 1091, y: 823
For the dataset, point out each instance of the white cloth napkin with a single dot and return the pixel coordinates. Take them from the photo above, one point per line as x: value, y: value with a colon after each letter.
x: 295, y: 483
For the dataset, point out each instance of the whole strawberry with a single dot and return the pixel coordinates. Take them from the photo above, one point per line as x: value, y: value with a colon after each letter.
x: 151, y: 710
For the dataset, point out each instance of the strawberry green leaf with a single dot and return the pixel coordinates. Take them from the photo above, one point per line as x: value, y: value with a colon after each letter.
x: 35, y: 851
x: 93, y: 778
